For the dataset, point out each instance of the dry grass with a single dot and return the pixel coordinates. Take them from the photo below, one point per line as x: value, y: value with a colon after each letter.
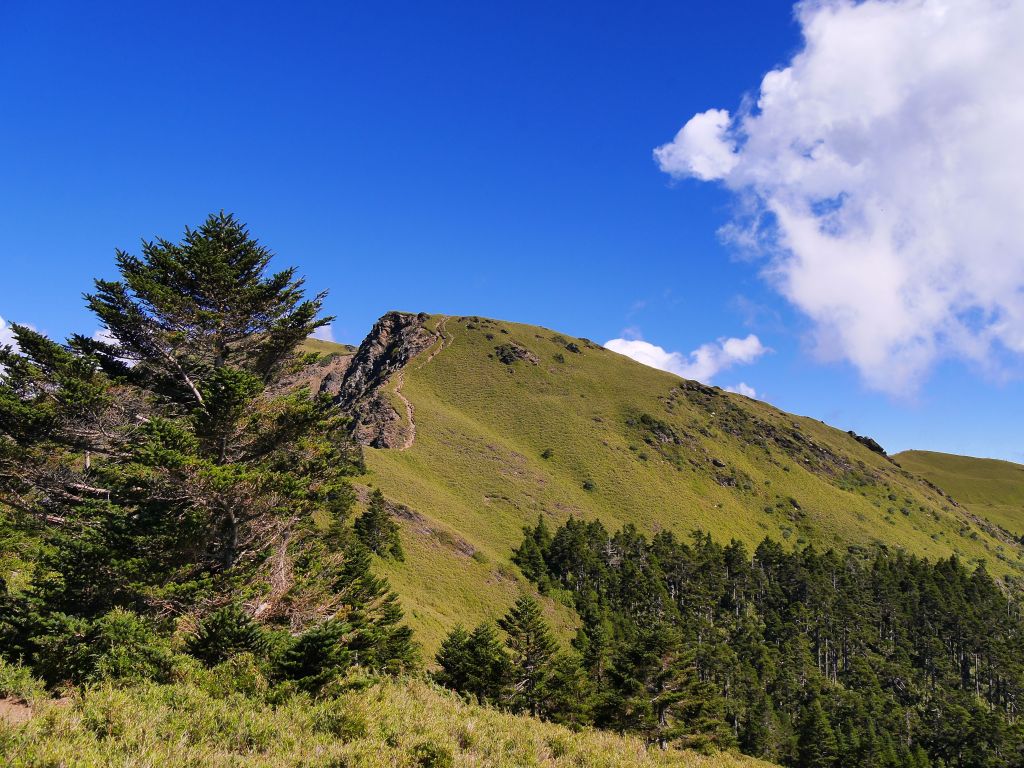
x: 388, y: 724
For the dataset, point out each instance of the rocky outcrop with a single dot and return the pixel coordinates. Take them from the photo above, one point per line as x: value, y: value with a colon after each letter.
x: 371, y: 385
x: 868, y: 443
x: 512, y: 352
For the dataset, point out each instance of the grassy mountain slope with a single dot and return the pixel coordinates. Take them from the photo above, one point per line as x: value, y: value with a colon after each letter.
x: 991, y: 488
x: 392, y: 723
x: 574, y: 429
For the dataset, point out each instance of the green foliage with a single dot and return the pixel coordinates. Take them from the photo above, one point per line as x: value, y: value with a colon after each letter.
x: 532, y: 649
x: 475, y: 663
x: 17, y: 682
x: 817, y: 741
x: 391, y: 723
x: 527, y: 674
x: 654, y: 688
x: 377, y: 530
x: 226, y: 632
x: 317, y: 656
x: 119, y: 645
x: 807, y: 658
x: 430, y: 755
x: 529, y: 556
x: 175, y: 462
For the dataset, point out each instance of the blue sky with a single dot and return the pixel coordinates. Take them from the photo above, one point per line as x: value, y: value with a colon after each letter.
x: 466, y: 159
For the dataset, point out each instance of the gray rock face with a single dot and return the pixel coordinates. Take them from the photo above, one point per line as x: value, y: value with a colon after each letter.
x: 363, y: 393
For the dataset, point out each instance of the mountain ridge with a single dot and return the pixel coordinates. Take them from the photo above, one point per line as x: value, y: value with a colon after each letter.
x: 491, y: 424
x: 992, y: 488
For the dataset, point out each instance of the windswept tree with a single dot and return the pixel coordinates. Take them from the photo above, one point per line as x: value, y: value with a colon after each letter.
x: 168, y: 458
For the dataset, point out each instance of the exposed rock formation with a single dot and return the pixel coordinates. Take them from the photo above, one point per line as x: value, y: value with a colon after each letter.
x: 511, y: 352
x: 364, y: 390
x: 868, y: 443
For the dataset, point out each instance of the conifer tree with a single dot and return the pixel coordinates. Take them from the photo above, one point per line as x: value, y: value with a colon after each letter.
x: 377, y: 530
x: 165, y: 461
x: 530, y: 554
x: 655, y: 690
x: 225, y: 632
x: 817, y: 740
x: 318, y: 655
x: 531, y: 650
x: 475, y: 663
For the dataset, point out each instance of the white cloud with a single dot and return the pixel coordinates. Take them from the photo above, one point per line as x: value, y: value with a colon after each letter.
x: 104, y: 335
x: 743, y: 389
x: 702, y: 364
x: 7, y: 335
x: 702, y: 148
x: 323, y: 333
x: 884, y: 166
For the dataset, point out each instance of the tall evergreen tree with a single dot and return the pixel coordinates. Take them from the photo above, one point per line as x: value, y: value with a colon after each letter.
x: 532, y: 648
x: 475, y: 663
x: 166, y: 461
x: 656, y: 690
x: 817, y: 745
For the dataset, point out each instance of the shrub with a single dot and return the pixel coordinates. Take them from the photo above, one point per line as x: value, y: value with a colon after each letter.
x: 17, y: 682
x: 242, y: 673
x: 226, y: 632
x: 317, y: 656
x: 431, y: 755
x: 120, y: 645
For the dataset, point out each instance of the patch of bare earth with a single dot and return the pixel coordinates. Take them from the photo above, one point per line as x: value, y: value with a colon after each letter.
x: 14, y: 711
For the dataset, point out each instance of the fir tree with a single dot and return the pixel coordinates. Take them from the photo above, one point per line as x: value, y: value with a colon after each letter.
x: 377, y: 530
x: 817, y: 740
x: 475, y: 663
x: 529, y: 555
x: 317, y: 656
x: 167, y: 461
x: 532, y: 648
x: 225, y: 632
x: 656, y: 690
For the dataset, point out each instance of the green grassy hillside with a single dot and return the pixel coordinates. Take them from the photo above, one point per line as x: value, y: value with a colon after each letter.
x: 570, y: 428
x: 390, y: 724
x: 326, y: 347
x: 991, y: 488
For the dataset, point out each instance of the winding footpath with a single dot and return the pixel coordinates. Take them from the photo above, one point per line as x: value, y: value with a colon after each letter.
x: 445, y: 341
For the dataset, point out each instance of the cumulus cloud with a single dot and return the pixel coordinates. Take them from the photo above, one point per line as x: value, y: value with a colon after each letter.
x: 880, y: 170
x: 743, y: 389
x: 702, y: 148
x: 323, y: 333
x: 702, y: 364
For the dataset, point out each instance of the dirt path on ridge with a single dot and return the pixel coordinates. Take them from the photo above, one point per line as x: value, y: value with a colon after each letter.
x: 410, y: 410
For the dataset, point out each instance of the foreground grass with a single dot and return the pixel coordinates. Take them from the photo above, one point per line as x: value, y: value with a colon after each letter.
x: 389, y: 723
